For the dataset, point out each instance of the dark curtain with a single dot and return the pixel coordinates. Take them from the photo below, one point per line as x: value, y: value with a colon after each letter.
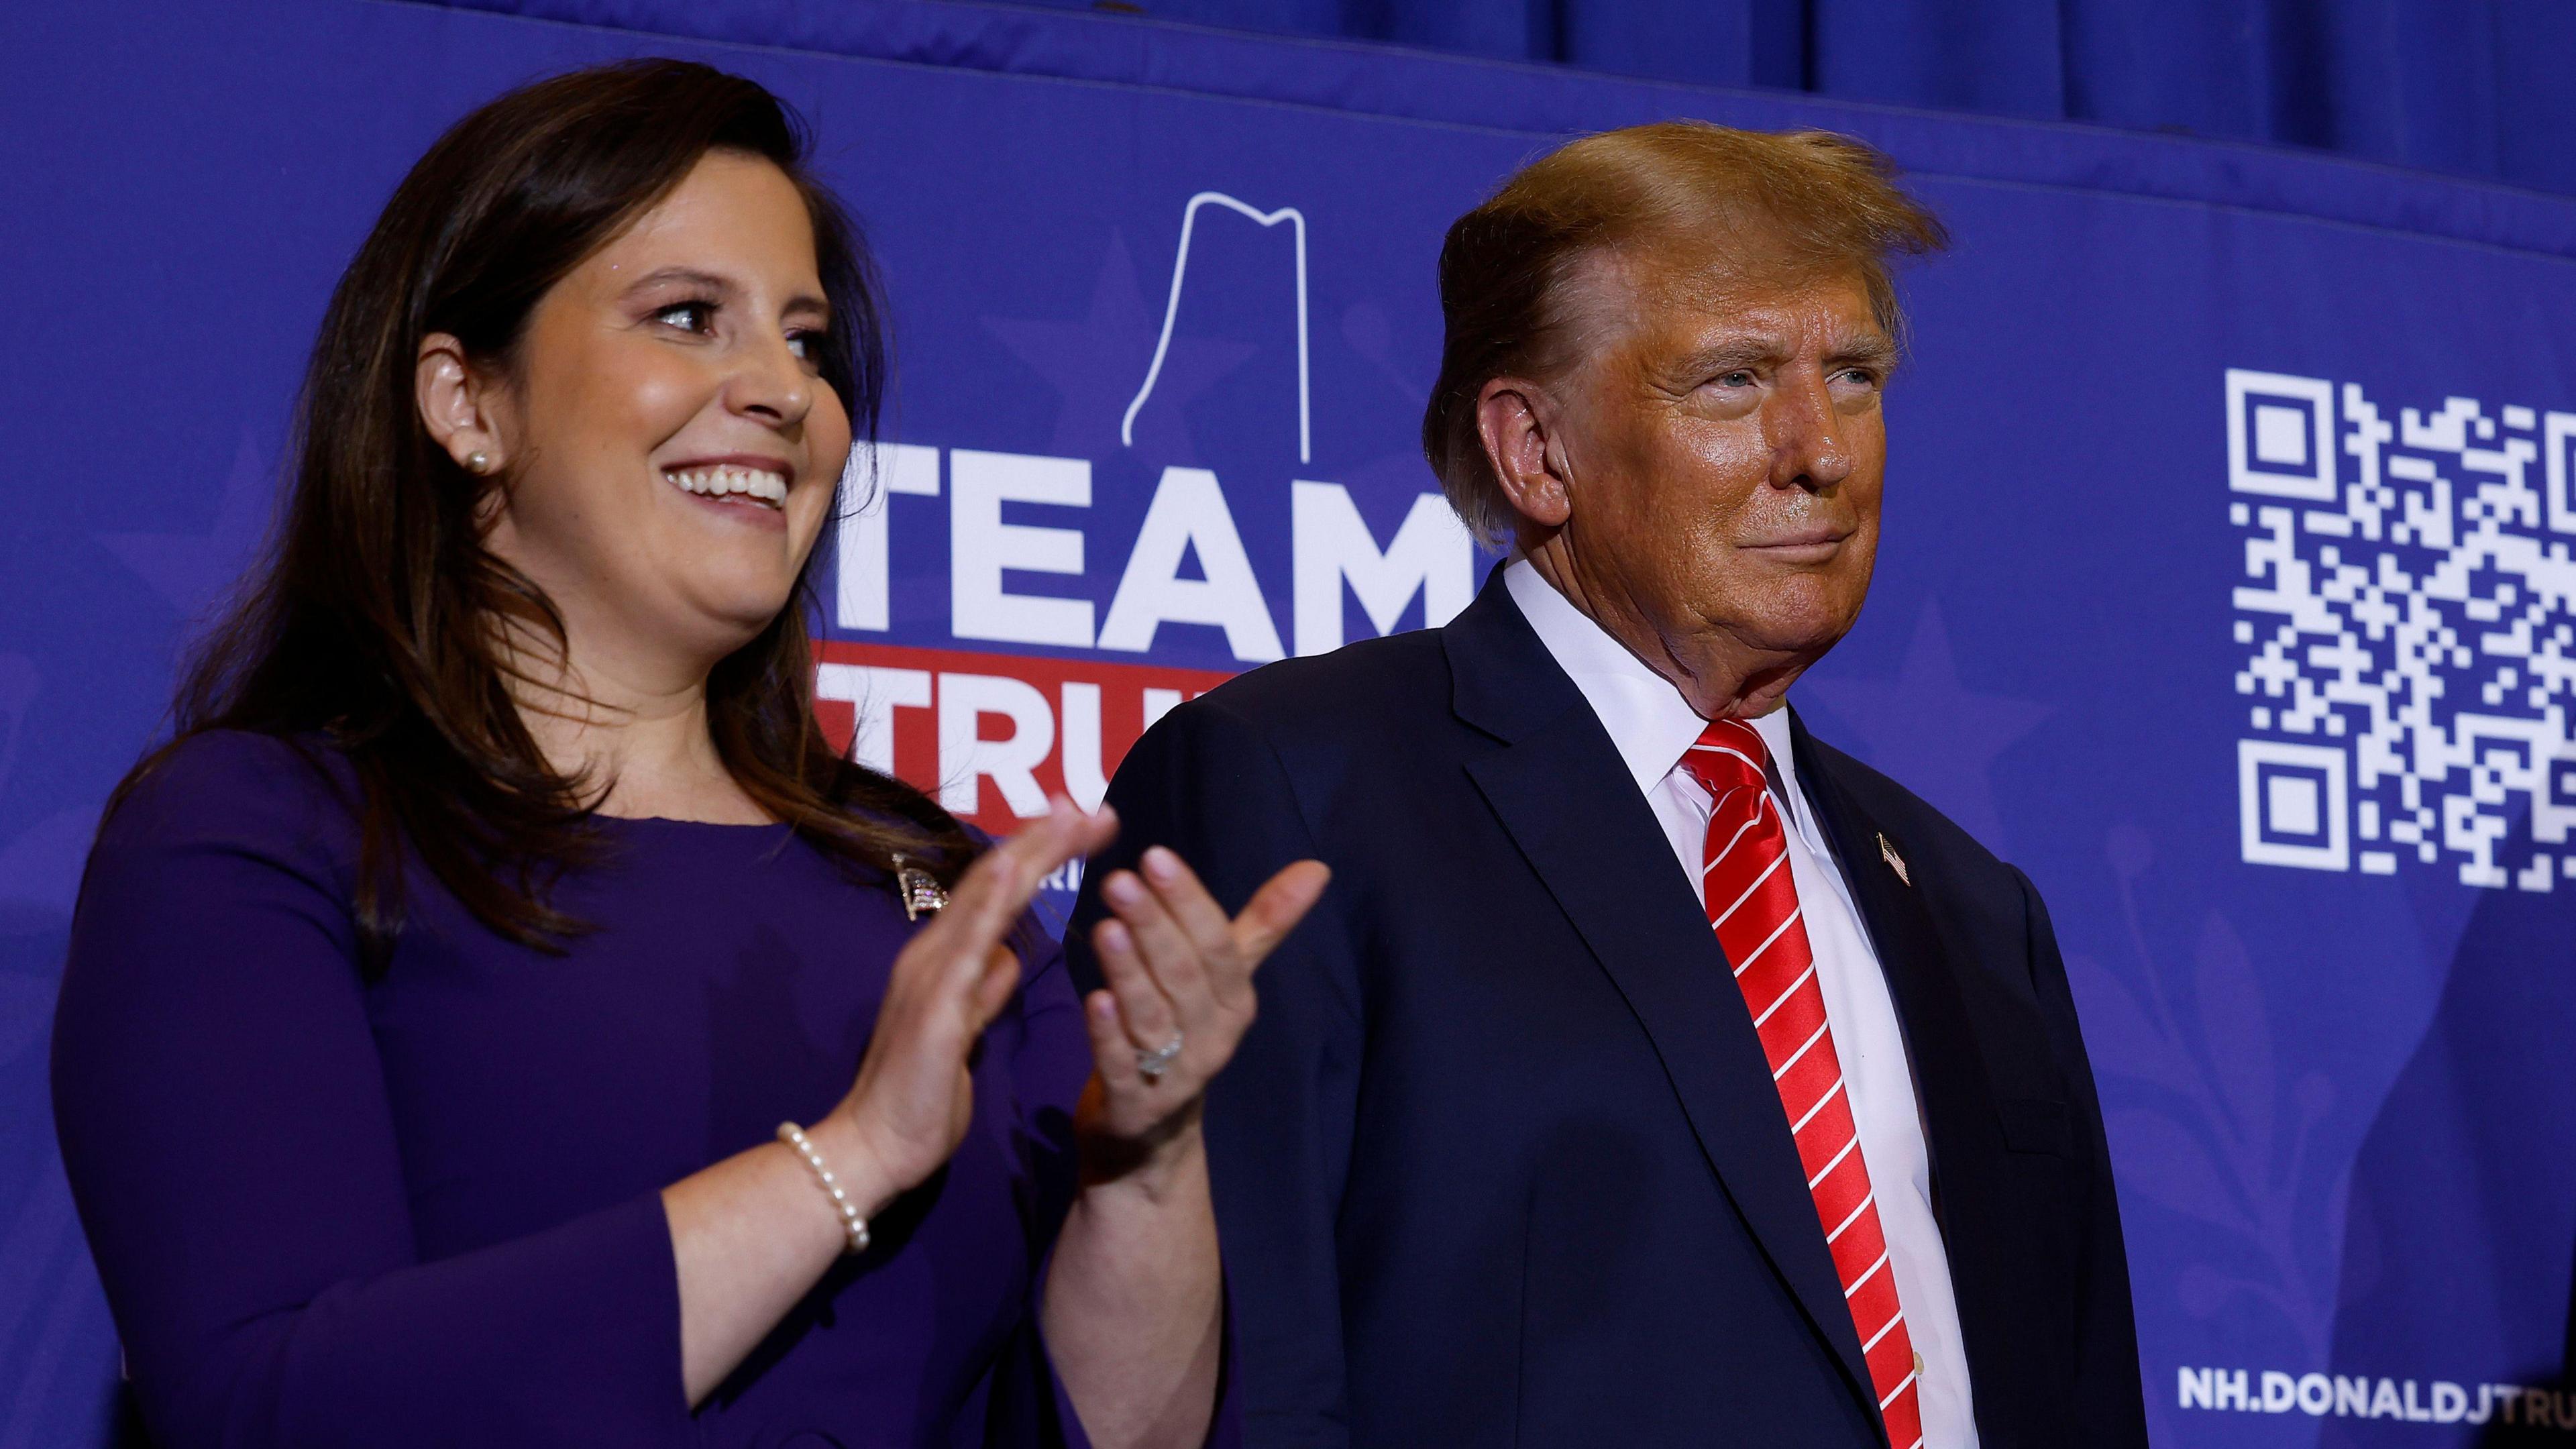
x: 2471, y: 87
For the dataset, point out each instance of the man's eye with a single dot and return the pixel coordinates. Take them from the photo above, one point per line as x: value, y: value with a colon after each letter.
x: 1737, y: 378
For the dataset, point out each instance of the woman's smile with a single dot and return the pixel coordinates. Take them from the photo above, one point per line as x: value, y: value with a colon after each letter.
x: 752, y: 490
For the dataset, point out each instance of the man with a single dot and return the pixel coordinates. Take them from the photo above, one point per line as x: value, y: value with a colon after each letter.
x: 1652, y: 1072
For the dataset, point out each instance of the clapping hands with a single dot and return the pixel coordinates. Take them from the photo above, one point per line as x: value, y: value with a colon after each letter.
x: 1178, y: 1000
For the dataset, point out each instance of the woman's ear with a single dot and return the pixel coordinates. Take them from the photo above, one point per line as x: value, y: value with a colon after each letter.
x: 454, y: 404
x: 1515, y: 416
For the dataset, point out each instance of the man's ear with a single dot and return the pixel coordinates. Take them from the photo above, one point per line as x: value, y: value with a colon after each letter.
x: 1516, y: 418
x: 456, y: 404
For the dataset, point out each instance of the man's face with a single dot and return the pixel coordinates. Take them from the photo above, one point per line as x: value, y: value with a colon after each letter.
x: 1724, y: 450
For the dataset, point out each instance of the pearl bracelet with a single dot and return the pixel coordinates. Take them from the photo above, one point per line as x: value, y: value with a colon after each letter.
x: 853, y: 1225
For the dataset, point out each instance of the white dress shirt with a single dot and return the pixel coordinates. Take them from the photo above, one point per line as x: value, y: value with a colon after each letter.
x: 1652, y: 725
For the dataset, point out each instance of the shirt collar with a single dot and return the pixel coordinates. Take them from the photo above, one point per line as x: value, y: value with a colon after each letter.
x: 1774, y: 730
x: 1648, y: 721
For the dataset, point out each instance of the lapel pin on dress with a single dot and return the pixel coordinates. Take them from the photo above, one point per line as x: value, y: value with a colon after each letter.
x: 1895, y: 862
x: 921, y: 892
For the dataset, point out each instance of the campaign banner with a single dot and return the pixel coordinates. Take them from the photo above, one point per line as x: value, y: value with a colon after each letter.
x: 2225, y: 585
x: 993, y: 731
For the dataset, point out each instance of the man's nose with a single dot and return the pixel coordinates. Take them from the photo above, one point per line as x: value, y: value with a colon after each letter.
x: 1811, y: 447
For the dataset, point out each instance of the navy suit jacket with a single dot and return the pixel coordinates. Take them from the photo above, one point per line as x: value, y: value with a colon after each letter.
x: 1501, y: 1162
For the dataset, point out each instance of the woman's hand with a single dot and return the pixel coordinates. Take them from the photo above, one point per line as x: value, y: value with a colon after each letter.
x: 1178, y: 1000
x: 914, y: 1095
x: 1133, y: 1311
x: 750, y: 1234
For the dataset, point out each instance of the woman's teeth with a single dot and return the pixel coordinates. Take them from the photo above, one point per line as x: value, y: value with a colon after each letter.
x: 757, y: 484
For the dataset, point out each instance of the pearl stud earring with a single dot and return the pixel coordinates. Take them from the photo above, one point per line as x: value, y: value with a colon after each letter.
x: 478, y: 461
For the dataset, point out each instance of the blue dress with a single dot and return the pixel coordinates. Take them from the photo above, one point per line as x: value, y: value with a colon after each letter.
x: 422, y: 1208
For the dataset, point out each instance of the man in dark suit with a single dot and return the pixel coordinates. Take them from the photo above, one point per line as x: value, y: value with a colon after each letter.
x: 1652, y: 1073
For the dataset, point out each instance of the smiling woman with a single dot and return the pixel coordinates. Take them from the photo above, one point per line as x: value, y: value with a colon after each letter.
x: 552, y: 309
x: 666, y: 451
x: 456, y: 962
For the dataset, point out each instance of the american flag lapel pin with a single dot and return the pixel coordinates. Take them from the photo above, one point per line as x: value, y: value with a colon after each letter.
x: 1895, y: 862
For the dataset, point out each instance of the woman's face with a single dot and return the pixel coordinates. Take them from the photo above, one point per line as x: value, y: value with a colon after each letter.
x: 671, y: 449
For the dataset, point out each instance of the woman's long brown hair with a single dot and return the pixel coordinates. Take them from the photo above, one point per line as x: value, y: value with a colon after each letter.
x: 371, y: 623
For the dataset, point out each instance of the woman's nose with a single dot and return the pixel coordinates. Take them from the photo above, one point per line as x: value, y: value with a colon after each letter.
x: 770, y: 381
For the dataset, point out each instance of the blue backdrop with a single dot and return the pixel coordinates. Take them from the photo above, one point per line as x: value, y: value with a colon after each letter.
x: 2227, y: 583
x: 2475, y: 87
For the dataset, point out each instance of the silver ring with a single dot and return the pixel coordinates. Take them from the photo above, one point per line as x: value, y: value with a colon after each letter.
x: 1151, y: 1065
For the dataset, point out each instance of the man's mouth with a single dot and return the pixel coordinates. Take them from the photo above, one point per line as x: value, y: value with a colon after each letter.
x: 1802, y: 541
x: 730, y: 482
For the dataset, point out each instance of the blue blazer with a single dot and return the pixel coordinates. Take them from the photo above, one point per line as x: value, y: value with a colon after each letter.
x: 1501, y: 1162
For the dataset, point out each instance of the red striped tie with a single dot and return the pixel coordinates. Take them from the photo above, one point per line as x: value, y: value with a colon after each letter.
x: 1753, y: 906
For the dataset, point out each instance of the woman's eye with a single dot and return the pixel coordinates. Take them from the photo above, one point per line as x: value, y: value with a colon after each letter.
x: 802, y: 344
x: 688, y: 316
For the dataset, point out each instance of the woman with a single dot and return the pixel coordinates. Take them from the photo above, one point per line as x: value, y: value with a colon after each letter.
x: 436, y: 997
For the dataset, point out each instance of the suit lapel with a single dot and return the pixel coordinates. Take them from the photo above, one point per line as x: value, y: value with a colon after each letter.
x: 1928, y: 1005
x: 1962, y: 1129
x: 1572, y: 808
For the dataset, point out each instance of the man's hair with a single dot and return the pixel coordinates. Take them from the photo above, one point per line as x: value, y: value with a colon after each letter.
x: 1816, y: 202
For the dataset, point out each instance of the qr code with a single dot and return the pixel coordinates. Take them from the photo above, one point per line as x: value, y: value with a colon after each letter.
x: 2407, y: 626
